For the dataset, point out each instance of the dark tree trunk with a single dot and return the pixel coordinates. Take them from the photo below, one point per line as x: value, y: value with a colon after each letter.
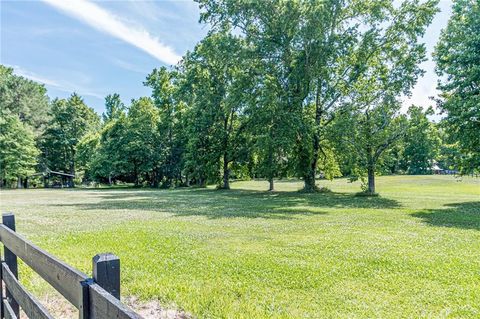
x: 312, y: 172
x: 309, y: 179
x: 72, y: 169
x: 371, y: 180
x: 226, y: 173
x: 270, y: 184
x: 135, y: 171
x: 270, y: 168
x: 370, y: 170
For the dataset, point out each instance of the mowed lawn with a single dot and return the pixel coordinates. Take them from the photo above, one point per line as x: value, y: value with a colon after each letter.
x: 413, y: 252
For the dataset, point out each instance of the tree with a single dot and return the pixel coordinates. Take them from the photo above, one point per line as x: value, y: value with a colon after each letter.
x: 114, y: 107
x: 457, y: 56
x: 71, y: 120
x: 367, y: 134
x: 323, y: 49
x: 272, y: 128
x: 18, y: 154
x: 216, y: 80
x: 109, y: 161
x: 87, y: 149
x: 141, y: 138
x: 24, y: 98
x: 23, y: 116
x: 171, y: 128
x: 421, y: 141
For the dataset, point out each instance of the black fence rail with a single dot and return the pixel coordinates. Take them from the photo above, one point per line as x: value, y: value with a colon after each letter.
x: 95, y: 297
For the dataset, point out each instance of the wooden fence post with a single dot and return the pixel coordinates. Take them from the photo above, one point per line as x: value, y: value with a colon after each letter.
x: 8, y: 220
x: 1, y: 290
x: 106, y: 273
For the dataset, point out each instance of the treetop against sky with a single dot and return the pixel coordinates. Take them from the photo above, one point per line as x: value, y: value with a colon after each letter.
x: 98, y: 48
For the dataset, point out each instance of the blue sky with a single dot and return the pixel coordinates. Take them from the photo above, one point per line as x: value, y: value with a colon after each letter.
x: 97, y: 48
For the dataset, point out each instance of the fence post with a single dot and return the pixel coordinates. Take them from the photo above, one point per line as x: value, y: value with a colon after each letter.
x: 8, y: 220
x: 106, y: 273
x: 1, y: 290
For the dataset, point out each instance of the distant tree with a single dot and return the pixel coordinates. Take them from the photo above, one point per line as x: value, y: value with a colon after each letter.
x: 70, y: 121
x: 87, y: 149
x: 24, y: 109
x: 272, y: 128
x: 114, y: 107
x: 109, y: 161
x: 457, y: 55
x: 449, y: 154
x: 367, y: 135
x: 171, y: 124
x: 141, y: 148
x: 18, y: 153
x: 24, y: 98
x: 422, y: 141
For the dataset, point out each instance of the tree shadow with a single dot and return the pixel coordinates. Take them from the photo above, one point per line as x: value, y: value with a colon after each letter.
x: 459, y: 215
x: 230, y: 203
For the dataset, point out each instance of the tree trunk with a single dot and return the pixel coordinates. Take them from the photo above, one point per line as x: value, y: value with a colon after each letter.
x: 202, y: 182
x: 226, y: 173
x: 19, y: 182
x: 371, y: 180
x: 135, y: 171
x: 110, y: 179
x: 371, y: 170
x: 312, y: 172
x: 270, y: 184
x: 72, y: 169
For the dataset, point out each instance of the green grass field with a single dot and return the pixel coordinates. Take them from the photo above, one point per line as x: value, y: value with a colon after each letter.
x: 413, y: 252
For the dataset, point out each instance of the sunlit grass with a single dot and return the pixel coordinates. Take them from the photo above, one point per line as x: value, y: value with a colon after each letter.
x: 247, y: 253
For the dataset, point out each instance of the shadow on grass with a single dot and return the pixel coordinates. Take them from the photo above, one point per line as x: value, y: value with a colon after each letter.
x: 459, y: 215
x: 230, y: 203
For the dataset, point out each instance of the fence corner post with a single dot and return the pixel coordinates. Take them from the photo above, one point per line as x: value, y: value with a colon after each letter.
x: 8, y: 219
x: 106, y: 273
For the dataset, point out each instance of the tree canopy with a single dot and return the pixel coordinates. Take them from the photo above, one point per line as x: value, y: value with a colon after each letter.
x: 276, y: 89
x: 457, y: 57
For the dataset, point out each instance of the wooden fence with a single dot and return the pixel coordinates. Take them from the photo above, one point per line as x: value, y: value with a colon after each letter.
x: 95, y: 298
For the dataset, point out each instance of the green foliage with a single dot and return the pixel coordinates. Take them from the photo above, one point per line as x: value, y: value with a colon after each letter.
x: 24, y: 98
x: 141, y: 149
x: 70, y: 121
x: 325, y: 52
x: 87, y: 148
x: 422, y: 142
x: 18, y: 153
x: 215, y: 84
x: 457, y: 56
x: 108, y: 162
x: 172, y: 136
x: 114, y: 107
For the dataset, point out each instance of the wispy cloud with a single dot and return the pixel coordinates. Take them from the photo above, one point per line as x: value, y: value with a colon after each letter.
x: 63, y: 86
x: 105, y: 21
x: 129, y: 66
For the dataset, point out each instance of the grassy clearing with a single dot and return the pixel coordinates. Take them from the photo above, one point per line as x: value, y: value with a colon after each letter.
x: 247, y: 253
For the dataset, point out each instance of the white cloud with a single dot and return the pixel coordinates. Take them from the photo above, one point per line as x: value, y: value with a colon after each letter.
x: 129, y: 66
x: 103, y: 20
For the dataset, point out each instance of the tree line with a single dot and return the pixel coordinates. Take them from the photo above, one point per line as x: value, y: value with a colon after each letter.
x: 302, y: 89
